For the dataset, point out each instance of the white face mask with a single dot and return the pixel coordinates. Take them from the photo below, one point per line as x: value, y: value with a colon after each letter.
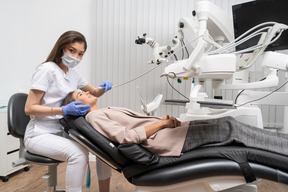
x: 70, y: 61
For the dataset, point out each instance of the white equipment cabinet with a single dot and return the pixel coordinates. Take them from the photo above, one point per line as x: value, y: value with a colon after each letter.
x: 9, y: 149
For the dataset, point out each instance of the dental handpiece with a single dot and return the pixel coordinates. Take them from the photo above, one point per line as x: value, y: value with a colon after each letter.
x: 114, y: 86
x: 104, y: 87
x: 100, y: 87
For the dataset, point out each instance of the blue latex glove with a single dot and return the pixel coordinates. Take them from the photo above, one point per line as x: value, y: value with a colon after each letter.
x: 75, y: 108
x: 106, y: 85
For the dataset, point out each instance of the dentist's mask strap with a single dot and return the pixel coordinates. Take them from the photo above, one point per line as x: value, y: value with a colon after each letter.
x: 70, y: 61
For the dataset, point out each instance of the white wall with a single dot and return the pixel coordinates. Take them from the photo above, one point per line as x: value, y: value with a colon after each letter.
x: 29, y: 30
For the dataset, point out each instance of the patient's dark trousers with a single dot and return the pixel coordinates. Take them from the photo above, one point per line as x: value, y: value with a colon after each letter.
x: 227, y: 130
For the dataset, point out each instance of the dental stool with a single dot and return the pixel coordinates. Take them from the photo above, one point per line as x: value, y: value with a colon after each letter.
x: 17, y: 122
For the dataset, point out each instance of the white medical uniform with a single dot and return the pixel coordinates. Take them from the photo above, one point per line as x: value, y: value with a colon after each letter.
x: 44, y: 135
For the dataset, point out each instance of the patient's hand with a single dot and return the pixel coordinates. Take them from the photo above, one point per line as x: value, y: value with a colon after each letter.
x: 171, y: 122
x: 166, y: 122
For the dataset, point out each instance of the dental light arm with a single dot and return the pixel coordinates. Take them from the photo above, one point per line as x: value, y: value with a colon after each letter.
x: 164, y: 53
x: 160, y: 54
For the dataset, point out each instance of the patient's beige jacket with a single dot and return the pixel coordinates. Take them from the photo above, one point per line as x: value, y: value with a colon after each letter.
x: 125, y: 126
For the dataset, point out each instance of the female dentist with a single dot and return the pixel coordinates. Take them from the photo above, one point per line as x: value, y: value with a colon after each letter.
x: 51, y: 82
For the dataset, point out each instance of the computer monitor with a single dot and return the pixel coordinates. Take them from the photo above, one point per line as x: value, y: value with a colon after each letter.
x: 250, y: 14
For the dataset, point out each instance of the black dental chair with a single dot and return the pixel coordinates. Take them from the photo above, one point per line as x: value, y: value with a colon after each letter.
x: 226, y: 168
x: 17, y: 122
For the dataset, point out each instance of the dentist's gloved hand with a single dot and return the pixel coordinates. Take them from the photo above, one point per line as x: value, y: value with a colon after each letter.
x: 106, y: 85
x: 75, y: 108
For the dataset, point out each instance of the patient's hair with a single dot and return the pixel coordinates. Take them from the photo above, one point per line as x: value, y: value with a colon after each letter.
x: 68, y: 99
x: 65, y: 39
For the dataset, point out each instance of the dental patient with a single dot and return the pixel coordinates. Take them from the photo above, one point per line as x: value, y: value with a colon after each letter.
x: 167, y: 136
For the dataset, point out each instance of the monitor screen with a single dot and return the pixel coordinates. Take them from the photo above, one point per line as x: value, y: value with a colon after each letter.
x: 250, y: 14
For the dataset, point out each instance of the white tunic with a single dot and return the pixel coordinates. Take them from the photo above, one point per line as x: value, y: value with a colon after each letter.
x: 51, y: 79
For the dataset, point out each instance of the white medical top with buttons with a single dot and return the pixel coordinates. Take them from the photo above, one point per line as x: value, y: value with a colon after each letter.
x: 51, y: 79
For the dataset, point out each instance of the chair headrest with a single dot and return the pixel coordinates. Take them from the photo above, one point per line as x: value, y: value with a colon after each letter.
x: 82, y: 126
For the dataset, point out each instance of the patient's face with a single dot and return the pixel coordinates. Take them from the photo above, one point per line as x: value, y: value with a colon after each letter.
x: 85, y: 97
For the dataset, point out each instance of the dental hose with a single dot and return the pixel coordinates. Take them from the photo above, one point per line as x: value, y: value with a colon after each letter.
x: 114, y: 86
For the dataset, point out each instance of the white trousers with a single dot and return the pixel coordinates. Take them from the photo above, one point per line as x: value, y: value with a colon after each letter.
x: 63, y: 149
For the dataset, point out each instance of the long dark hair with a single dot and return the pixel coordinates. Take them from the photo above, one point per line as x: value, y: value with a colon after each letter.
x: 68, y: 99
x: 65, y: 39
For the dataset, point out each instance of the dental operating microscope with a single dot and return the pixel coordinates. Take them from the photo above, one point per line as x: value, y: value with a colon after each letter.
x: 210, y: 33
